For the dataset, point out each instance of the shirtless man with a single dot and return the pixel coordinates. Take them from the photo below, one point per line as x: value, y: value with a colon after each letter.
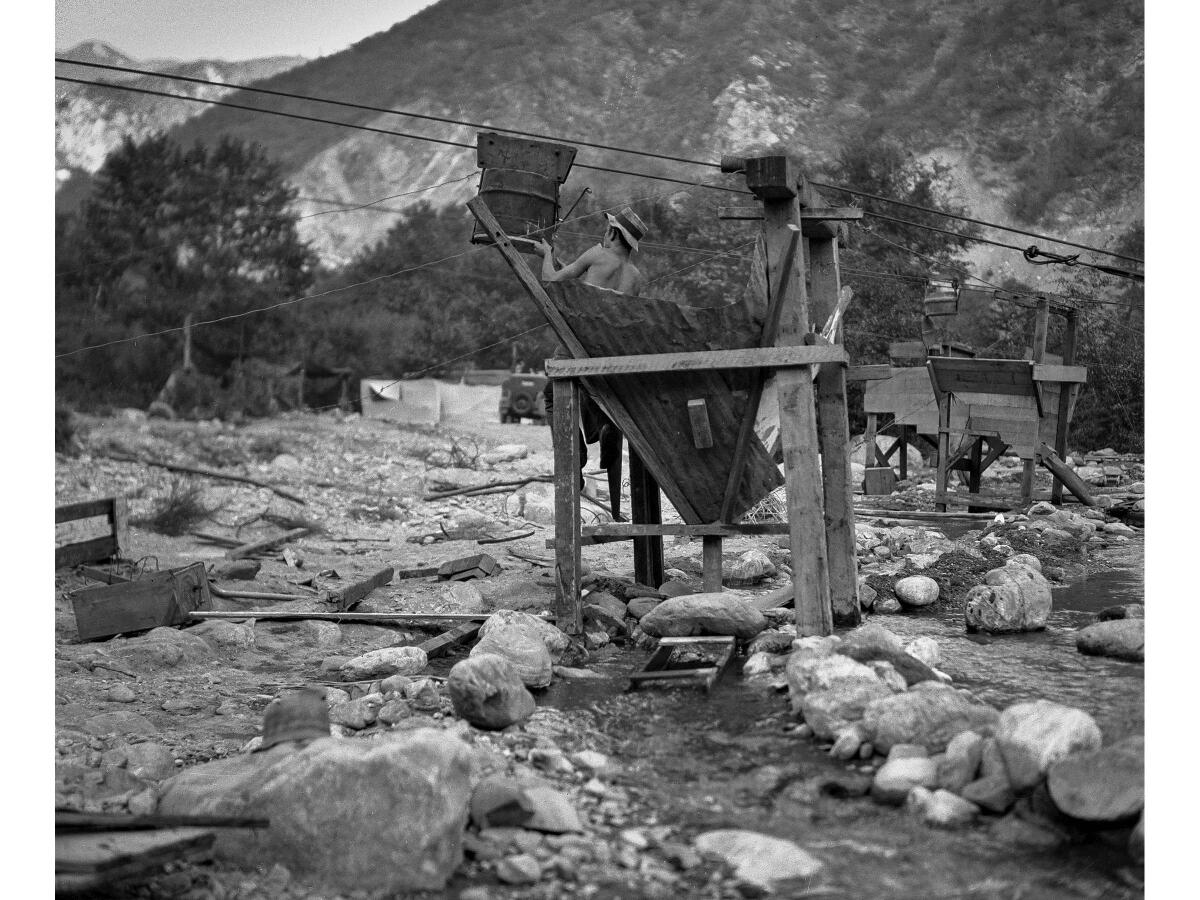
x: 605, y: 265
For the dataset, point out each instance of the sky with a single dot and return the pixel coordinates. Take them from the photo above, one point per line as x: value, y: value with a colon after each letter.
x: 226, y: 29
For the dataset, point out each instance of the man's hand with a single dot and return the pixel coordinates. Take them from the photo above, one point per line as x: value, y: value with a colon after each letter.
x: 544, y: 250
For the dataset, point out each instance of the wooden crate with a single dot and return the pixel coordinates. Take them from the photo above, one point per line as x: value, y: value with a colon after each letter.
x: 161, y: 598
x: 879, y: 480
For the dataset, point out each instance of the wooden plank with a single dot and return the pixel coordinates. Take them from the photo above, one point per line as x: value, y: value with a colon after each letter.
x: 750, y: 358
x: 90, y: 861
x: 943, y: 446
x: 349, y: 597
x: 568, y: 607
x: 868, y: 373
x: 1076, y: 485
x: 159, y: 599
x: 83, y: 509
x: 102, y: 575
x: 645, y: 504
x: 702, y: 437
x: 740, y: 213
x: 712, y: 563
x: 95, y: 550
x: 808, y: 216
x: 267, y: 544
x: 1069, y: 374
x: 67, y: 821
x: 834, y: 435
x: 370, y: 618
x: 615, y: 411
x: 120, y: 519
x: 444, y: 641
x: 783, y: 279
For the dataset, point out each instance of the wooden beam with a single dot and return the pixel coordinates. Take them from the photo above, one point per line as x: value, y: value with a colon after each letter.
x: 94, y: 550
x: 370, y: 618
x: 712, y: 563
x: 568, y: 607
x: 1076, y: 485
x: 749, y: 358
x: 868, y: 373
x: 783, y: 279
x: 84, y: 509
x: 645, y: 509
x: 438, y: 645
x: 943, y: 469
x: 980, y: 500
x: 348, y: 597
x: 1065, y: 401
x: 1063, y: 373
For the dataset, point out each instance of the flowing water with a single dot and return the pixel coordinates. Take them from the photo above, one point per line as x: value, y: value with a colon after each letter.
x: 728, y: 760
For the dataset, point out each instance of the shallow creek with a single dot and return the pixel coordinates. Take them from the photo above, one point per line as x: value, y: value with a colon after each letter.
x: 728, y: 760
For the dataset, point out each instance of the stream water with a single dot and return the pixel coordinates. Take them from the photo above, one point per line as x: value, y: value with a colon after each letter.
x: 727, y: 759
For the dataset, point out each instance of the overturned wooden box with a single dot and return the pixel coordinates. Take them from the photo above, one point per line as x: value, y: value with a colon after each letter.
x: 89, y: 531
x: 160, y: 598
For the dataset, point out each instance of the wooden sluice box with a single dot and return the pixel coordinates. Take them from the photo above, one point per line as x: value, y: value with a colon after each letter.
x: 663, y: 666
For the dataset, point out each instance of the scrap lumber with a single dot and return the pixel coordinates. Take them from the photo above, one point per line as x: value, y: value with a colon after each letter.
x: 465, y: 568
x: 244, y: 550
x: 1070, y: 480
x: 659, y: 668
x: 90, y: 861
x: 447, y: 639
x: 515, y: 536
x: 72, y: 821
x: 207, y: 473
x: 349, y: 597
x: 102, y: 575
x: 158, y: 599
x: 372, y: 618
x: 490, y: 487
x: 253, y: 595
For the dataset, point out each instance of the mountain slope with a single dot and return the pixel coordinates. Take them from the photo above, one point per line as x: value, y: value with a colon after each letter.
x: 1040, y: 115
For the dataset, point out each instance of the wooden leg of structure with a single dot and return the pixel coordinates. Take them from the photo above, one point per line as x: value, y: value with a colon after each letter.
x: 1027, y: 468
x: 869, y: 459
x: 976, y: 470
x: 645, y: 504
x: 904, y: 451
x: 943, y: 450
x: 568, y: 609
x: 798, y: 430
x: 834, y: 435
x: 712, y: 563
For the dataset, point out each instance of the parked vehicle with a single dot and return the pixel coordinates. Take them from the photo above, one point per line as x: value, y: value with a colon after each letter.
x: 521, y: 398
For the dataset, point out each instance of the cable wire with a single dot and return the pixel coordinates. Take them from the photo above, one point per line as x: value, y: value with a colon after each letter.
x: 582, y: 143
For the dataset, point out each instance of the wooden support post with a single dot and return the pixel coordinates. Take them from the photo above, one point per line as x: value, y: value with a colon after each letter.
x: 904, y: 451
x: 702, y: 437
x: 1064, y: 403
x: 645, y: 505
x: 797, y: 410
x: 943, y: 449
x: 568, y: 609
x: 1076, y: 485
x: 869, y: 460
x: 976, y: 466
x: 712, y: 563
x: 839, y: 496
x: 1041, y: 329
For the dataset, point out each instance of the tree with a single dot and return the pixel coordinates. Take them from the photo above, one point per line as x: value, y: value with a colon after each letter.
x: 167, y: 233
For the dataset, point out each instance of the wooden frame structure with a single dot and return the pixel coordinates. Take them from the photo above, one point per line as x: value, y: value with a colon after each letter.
x: 98, y: 548
x: 1009, y: 403
x: 809, y: 377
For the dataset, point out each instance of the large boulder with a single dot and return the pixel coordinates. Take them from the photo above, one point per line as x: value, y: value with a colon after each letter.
x: 897, y: 777
x: 159, y: 648
x: 713, y: 613
x: 916, y: 590
x: 1033, y: 736
x: 1118, y: 638
x: 759, y: 859
x: 828, y: 712
x: 556, y: 642
x: 384, y: 662
x: 383, y: 816
x: 487, y: 691
x: 808, y: 674
x: 1105, y: 786
x: 524, y: 648
x: 930, y: 718
x: 1015, y: 597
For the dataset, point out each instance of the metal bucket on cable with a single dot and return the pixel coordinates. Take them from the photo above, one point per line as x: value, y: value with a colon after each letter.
x: 520, y: 183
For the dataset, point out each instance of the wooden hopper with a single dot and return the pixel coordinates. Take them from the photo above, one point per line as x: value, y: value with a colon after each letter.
x: 609, y: 323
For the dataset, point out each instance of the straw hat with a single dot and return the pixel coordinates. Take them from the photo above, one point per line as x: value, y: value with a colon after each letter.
x: 628, y: 223
x: 300, y: 715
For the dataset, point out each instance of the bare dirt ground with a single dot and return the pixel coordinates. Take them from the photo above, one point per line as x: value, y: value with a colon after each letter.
x: 363, y: 481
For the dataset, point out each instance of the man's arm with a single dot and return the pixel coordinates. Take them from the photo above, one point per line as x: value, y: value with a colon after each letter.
x: 574, y: 270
